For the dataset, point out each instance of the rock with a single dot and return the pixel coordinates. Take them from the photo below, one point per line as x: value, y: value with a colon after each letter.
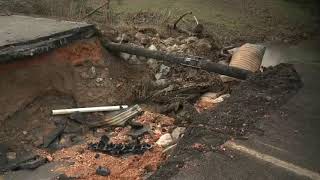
x: 165, y: 140
x: 134, y: 60
x: 164, y: 70
x: 24, y: 132
x: 204, y: 44
x: 173, y: 48
x: 152, y: 47
x: 162, y: 47
x: 170, y: 41
x: 139, y: 36
x: 221, y: 98
x: 191, y: 39
x: 99, y: 80
x: 124, y: 38
x: 125, y: 56
x: 233, y: 50
x: 145, y: 41
x: 158, y: 76
x: 211, y: 95
x: 92, y: 72
x: 49, y: 158
x: 225, y: 96
x: 153, y: 64
x: 118, y: 39
x: 177, y: 132
x: 11, y: 155
x: 161, y: 82
x: 103, y: 171
x: 97, y: 156
x: 206, y: 101
x: 225, y: 78
x: 142, y: 58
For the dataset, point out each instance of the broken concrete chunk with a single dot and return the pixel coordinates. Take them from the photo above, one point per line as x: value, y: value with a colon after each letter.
x: 164, y: 69
x: 165, y: 140
x: 221, y: 98
x: 177, y: 133
x: 99, y: 80
x: 153, y: 48
x: 125, y: 56
x: 161, y: 82
x: 158, y: 76
x: 211, y: 95
x: 153, y: 64
x: 134, y: 60
x: 11, y: 155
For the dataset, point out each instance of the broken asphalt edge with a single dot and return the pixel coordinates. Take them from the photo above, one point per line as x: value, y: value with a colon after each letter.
x: 17, y: 51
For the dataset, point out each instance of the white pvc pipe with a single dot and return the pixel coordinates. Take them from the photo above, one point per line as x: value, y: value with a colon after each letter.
x: 88, y: 109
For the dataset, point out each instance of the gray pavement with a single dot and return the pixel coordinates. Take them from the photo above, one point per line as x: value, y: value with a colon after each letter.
x: 17, y: 29
x: 290, y: 146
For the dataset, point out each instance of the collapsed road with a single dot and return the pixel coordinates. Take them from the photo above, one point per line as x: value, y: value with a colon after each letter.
x: 161, y: 136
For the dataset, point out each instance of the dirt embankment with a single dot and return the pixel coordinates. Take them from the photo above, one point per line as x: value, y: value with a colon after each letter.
x: 236, y: 117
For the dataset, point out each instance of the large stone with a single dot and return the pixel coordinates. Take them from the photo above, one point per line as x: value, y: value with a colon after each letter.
x: 165, y: 140
x: 161, y: 82
x: 152, y: 47
x: 163, y: 71
x: 11, y: 155
x: 177, y: 133
x: 153, y: 64
x: 134, y: 60
x: 125, y: 56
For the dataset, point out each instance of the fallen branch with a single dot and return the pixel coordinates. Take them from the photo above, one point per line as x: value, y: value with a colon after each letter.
x: 95, y: 10
x: 178, y: 20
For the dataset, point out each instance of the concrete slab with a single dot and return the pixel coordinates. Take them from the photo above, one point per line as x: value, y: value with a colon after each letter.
x: 23, y: 36
x: 18, y: 29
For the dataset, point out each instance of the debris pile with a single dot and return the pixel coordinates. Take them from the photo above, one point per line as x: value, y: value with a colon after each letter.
x: 129, y: 142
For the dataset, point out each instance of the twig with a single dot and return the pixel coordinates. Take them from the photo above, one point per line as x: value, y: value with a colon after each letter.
x: 95, y: 10
x: 178, y: 20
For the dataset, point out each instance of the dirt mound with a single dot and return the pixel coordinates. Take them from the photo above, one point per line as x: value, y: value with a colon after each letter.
x: 261, y: 93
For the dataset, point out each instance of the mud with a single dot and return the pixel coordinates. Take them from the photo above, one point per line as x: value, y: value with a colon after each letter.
x: 236, y: 117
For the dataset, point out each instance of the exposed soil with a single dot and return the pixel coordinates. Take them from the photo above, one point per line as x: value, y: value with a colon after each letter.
x: 260, y: 94
x: 84, y: 74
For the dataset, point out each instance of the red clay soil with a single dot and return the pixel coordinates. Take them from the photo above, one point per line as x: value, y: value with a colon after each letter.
x: 84, y: 163
x: 67, y: 70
